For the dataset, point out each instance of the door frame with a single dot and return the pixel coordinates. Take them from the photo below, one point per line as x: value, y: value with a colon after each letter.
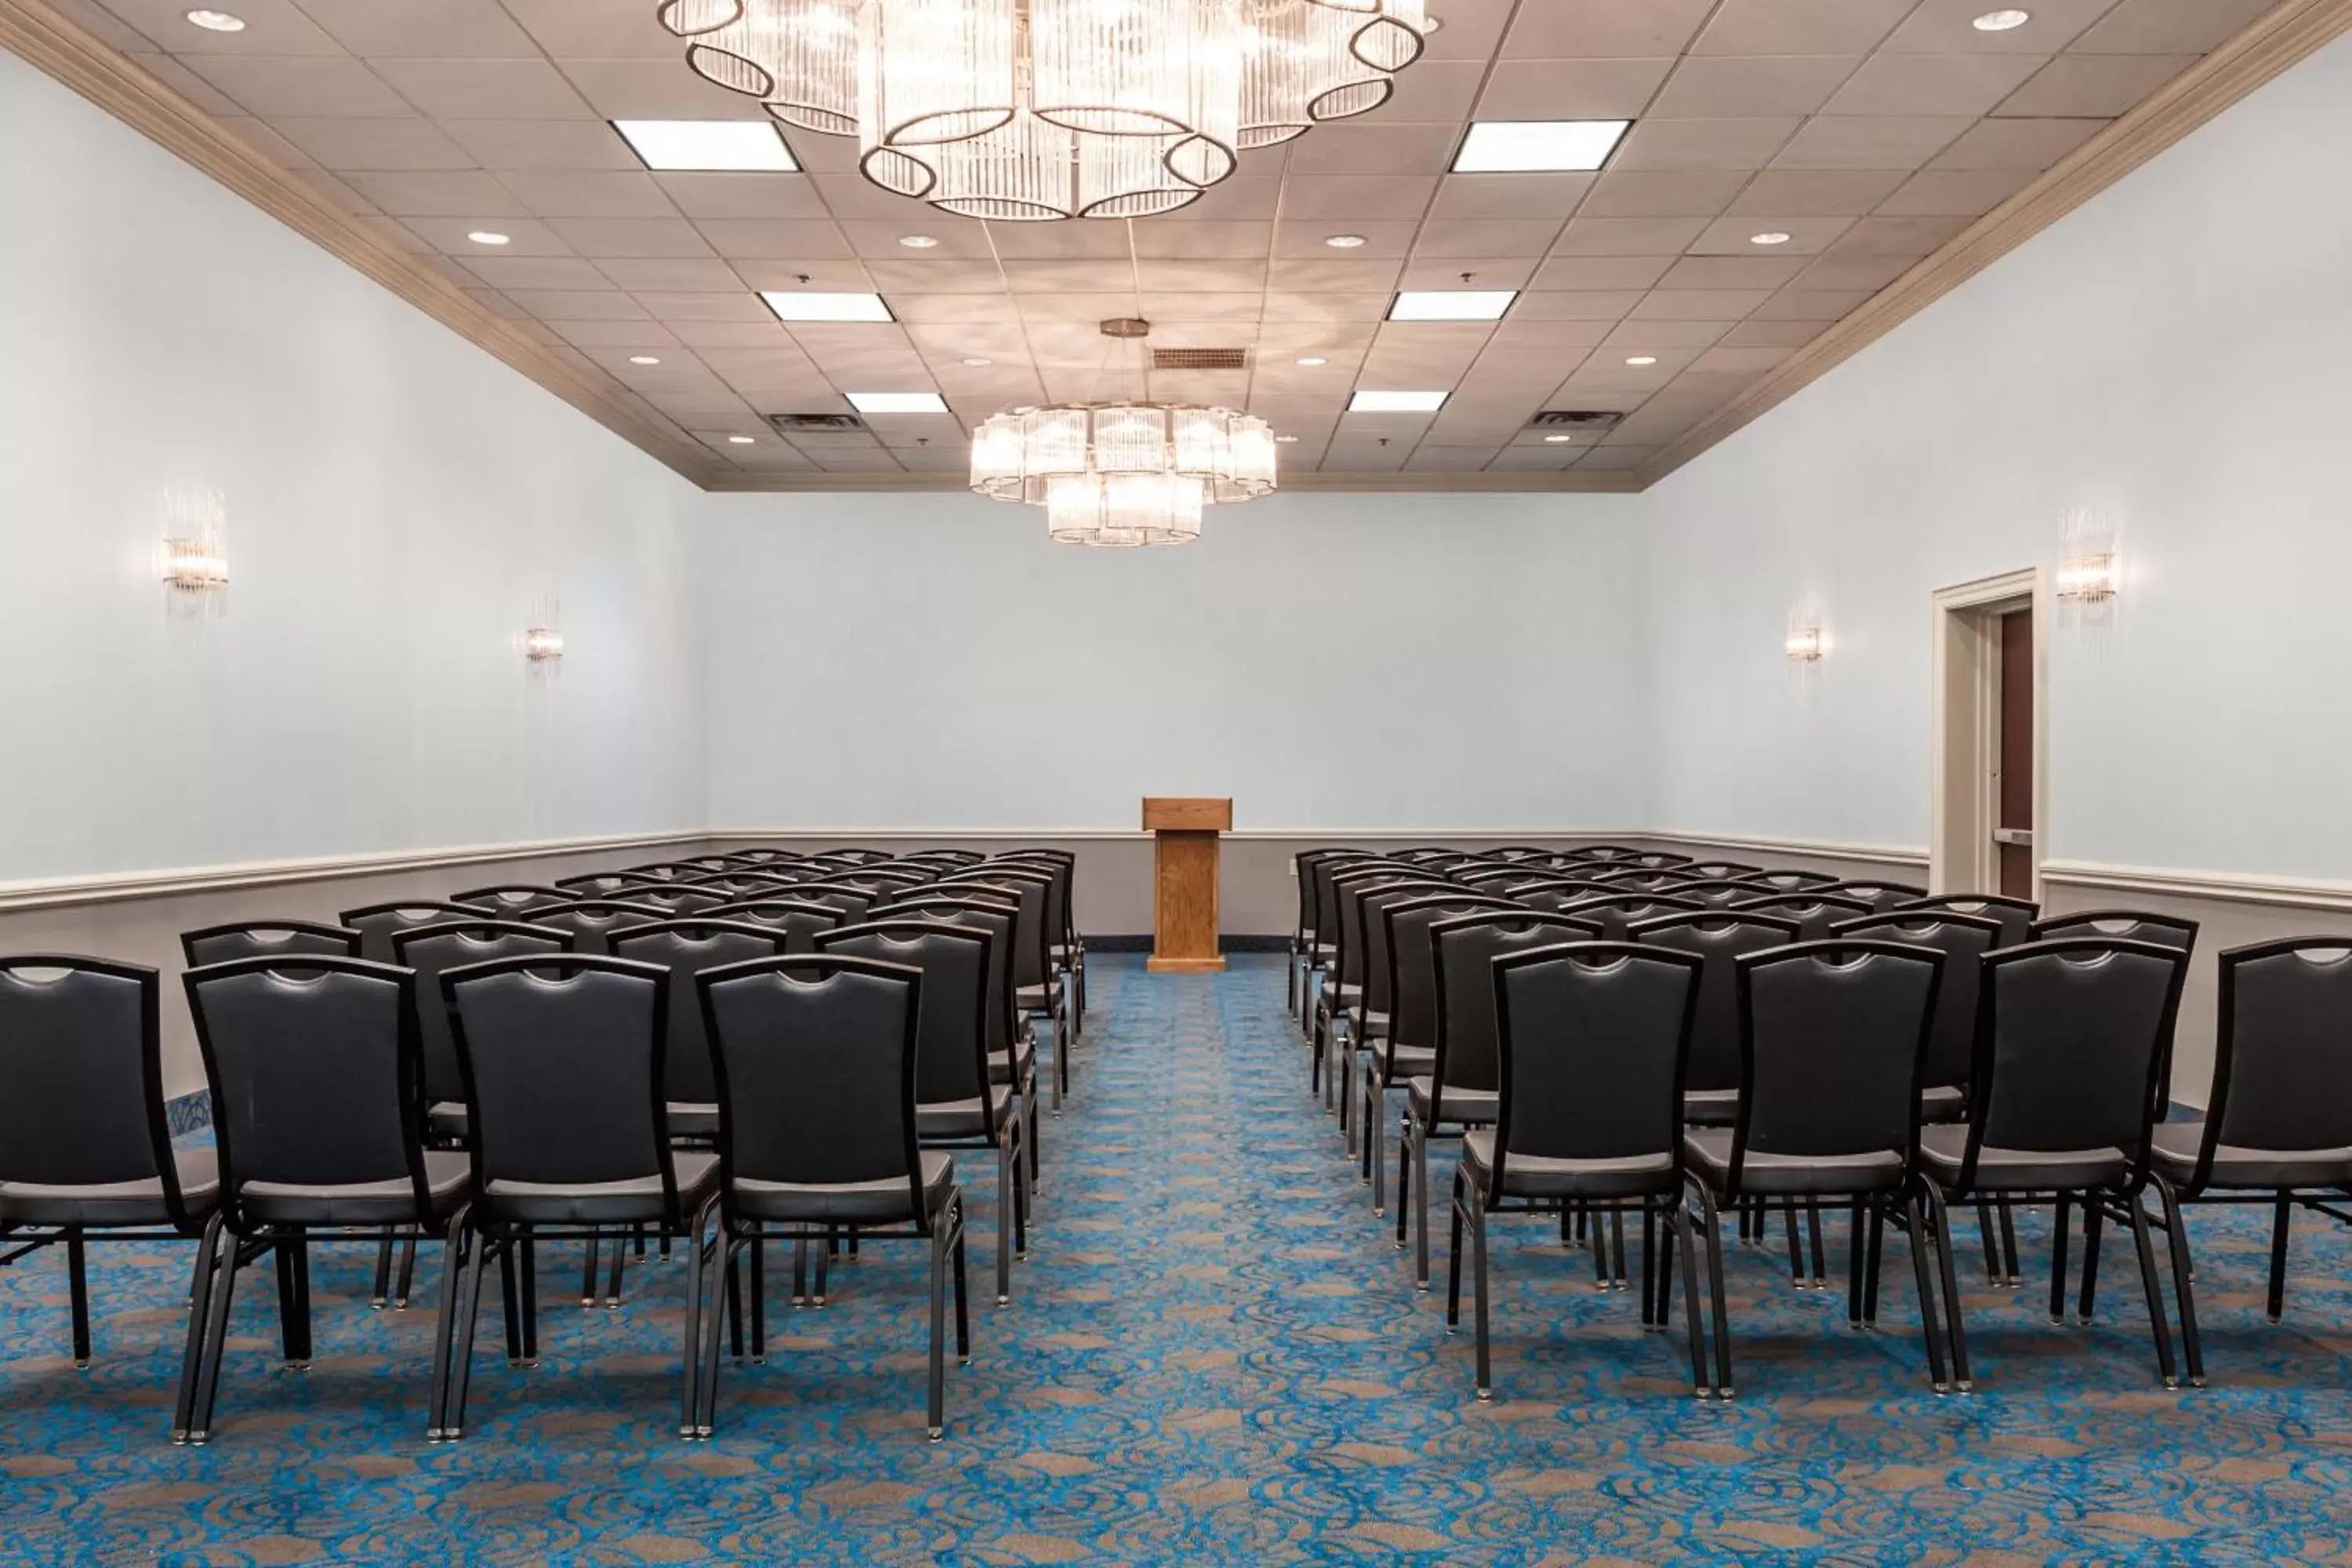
x: 1966, y: 675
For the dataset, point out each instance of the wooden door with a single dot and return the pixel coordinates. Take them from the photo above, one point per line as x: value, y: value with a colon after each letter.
x: 2013, y: 834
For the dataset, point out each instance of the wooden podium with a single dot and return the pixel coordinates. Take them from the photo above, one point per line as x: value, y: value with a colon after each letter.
x: 1184, y: 882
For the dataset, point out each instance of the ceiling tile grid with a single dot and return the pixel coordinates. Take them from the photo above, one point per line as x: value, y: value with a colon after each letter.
x: 1858, y: 136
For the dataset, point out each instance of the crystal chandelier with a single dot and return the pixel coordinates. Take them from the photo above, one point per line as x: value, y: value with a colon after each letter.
x: 1022, y: 111
x: 1122, y: 473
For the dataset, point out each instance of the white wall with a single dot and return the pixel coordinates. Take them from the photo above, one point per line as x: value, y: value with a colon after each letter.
x: 2171, y: 358
x: 396, y: 499
x: 1332, y: 662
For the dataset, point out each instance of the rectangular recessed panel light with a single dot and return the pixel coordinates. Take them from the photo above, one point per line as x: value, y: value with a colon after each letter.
x: 895, y: 401
x: 1452, y: 304
x: 706, y: 144
x: 1395, y: 402
x: 801, y: 305
x: 1527, y: 147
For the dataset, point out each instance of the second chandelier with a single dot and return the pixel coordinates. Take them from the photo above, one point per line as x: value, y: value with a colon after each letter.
x: 1026, y: 111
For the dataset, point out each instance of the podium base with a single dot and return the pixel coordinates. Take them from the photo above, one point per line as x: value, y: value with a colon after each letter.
x: 1158, y: 965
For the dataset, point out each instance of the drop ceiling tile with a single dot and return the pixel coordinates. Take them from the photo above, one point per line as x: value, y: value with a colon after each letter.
x: 1584, y: 273
x: 1242, y: 197
x: 1571, y: 88
x: 311, y: 86
x: 694, y: 305
x: 631, y: 236
x: 1731, y: 360
x: 395, y: 233
x: 1440, y: 90
x: 420, y: 28
x: 440, y: 193
x: 1200, y: 277
x: 1551, y: 334
x: 1485, y: 272
x: 541, y: 144
x: 1617, y: 459
x: 506, y: 309
x: 1209, y: 244
x: 1381, y: 240
x: 2171, y: 26
x: 1736, y: 236
x: 2029, y: 144
x: 1732, y: 272
x: 1628, y: 235
x: 266, y: 141
x: 1708, y: 87
x: 536, y: 272
x: 2083, y: 86
x: 271, y: 27
x: 1800, y: 26
x: 701, y: 335
x: 1816, y: 193
x: 1079, y: 312
x: 1700, y: 305
x: 1854, y: 272
x: 1610, y: 372
x: 1756, y: 332
x: 1452, y: 459
x: 1489, y: 196
x: 1578, y: 305
x: 755, y: 239
x: 744, y: 194
x: 957, y: 239
x: 1497, y: 236
x: 1329, y: 274
x: 1202, y: 308
x: 1819, y: 305
x: 1104, y: 277
x: 1048, y: 241
x: 1367, y: 147
x: 1594, y: 29
x: 186, y: 83
x: 1640, y: 337
x: 1891, y: 235
x: 343, y: 195
x: 485, y: 89
x: 1869, y: 141
x: 1355, y: 198
x: 826, y: 155
x: 1367, y: 456
x: 1942, y: 27
x: 525, y: 237
x: 1954, y: 193
x: 696, y: 406
x: 108, y: 28
x: 953, y: 309
x: 837, y: 275
x: 594, y: 331
x: 1704, y: 143
x: 652, y: 89
x: 581, y: 193
x: 578, y: 304
x: 1933, y: 84
x: 1696, y: 193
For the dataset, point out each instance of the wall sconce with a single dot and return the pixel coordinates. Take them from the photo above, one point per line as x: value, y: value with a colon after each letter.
x: 1807, y: 644
x: 542, y: 636
x: 2088, y: 577
x: 194, y: 556
x: 539, y: 643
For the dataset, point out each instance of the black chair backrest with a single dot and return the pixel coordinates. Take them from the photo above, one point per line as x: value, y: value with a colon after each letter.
x: 1817, y: 914
x: 686, y: 948
x: 377, y: 923
x: 2283, y: 1057
x: 590, y: 922
x: 1303, y: 868
x: 1963, y: 939
x: 1348, y: 890
x: 1615, y: 913
x: 2072, y: 1036
x: 2120, y: 925
x: 1719, y: 939
x: 1463, y: 950
x: 951, y: 1038
x: 736, y: 884
x: 662, y: 870
x: 1371, y: 915
x: 314, y: 1067
x: 1590, y: 1039
x: 1325, y: 872
x: 763, y: 856
x: 1831, y: 1035
x: 1879, y: 896
x: 853, y: 903
x: 1412, y: 958
x: 1721, y: 871
x: 1716, y: 895
x: 1642, y: 880
x: 512, y: 900
x: 1001, y: 919
x: 1060, y: 924
x: 1559, y: 893
x: 594, y: 884
x: 1032, y: 938
x: 943, y: 858
x: 1791, y: 882
x: 677, y: 900
x: 1486, y: 875
x: 799, y: 920
x: 816, y: 1059
x: 259, y: 939
x: 429, y: 950
x: 563, y: 1063
x: 2013, y: 918
x: 81, y: 1074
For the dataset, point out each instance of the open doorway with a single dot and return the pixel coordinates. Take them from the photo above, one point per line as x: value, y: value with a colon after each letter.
x: 1989, y: 637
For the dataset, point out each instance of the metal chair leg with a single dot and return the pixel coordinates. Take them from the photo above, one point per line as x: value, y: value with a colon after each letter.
x: 200, y: 1292
x: 1954, y: 1319
x: 2282, y: 1227
x: 77, y: 1285
x: 1926, y: 1288
x: 2176, y: 1239
x: 2157, y: 1325
x: 1479, y: 1294
x: 2058, y: 1257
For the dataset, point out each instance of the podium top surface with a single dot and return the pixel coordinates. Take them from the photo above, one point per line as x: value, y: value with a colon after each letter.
x: 1194, y: 814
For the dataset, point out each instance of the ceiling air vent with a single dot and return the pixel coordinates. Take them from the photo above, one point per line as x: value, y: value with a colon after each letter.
x: 1200, y: 359
x: 786, y: 423
x: 1575, y: 419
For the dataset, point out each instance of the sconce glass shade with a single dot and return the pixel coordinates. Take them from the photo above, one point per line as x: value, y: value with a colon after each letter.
x: 542, y: 643
x: 1807, y: 644
x: 2087, y: 576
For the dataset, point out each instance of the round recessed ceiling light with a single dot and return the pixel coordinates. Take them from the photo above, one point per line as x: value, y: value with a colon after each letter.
x: 1286, y: 440
x: 1641, y: 359
x: 1311, y: 361
x: 917, y: 241
x: 642, y: 359
x: 1771, y: 237
x: 2001, y: 21
x: 1556, y: 440
x: 977, y: 360
x: 740, y: 440
x: 218, y: 21
x: 487, y: 236
x: 1345, y: 241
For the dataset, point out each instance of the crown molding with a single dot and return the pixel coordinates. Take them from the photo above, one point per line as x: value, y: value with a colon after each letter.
x: 2279, y: 38
x: 1310, y: 482
x: 55, y: 44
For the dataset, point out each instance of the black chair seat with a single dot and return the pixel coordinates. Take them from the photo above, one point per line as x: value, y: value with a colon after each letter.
x: 862, y: 1203
x: 696, y: 1119
x: 445, y: 1121
x: 637, y: 1200
x: 1536, y: 1176
x: 115, y: 1203
x: 964, y: 1118
x: 1409, y: 1061
x: 447, y: 1176
x: 1710, y: 1106
x: 1467, y: 1107
x: 1034, y: 998
x: 1947, y: 1102
x: 1941, y: 1148
x: 1708, y: 1149
x: 2265, y: 1170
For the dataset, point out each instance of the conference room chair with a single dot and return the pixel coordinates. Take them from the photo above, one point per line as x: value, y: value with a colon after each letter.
x: 591, y: 922
x: 1559, y: 893
x: 853, y: 903
x: 1718, y: 894
x: 377, y: 923
x: 943, y: 858
x: 1490, y: 876
x: 816, y: 1063
x: 734, y: 885
x: 1721, y: 871
x: 562, y: 1059
x: 86, y: 1150
x: 1817, y: 913
x: 594, y: 884
x: 1324, y: 949
x: 1421, y: 854
x: 1719, y: 940
x: 677, y: 900
x: 2071, y: 1045
x: 512, y: 900
x: 1301, y: 959
x: 2122, y: 925
x: 763, y: 855
x: 685, y: 947
x: 1459, y: 1092
x: 1066, y: 949
x: 1615, y: 913
x: 2278, y: 1127
x: 1879, y: 896
x: 958, y: 1102
x: 1791, y: 881
x: 1038, y: 989
x: 2014, y: 916
x: 1589, y: 1041
x: 429, y: 950
x: 1831, y: 1036
x: 259, y: 939
x: 1012, y: 1043
x: 661, y: 871
x: 1644, y: 880
x: 1518, y: 852
x: 1368, y: 1018
x: 312, y: 1063
x: 800, y: 921
x: 1343, y: 985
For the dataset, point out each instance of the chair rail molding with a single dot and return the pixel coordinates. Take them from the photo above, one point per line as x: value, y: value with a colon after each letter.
x: 2225, y: 887
x: 1816, y: 848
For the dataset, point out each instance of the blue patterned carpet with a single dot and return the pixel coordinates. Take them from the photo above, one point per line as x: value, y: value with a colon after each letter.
x: 1215, y: 1357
